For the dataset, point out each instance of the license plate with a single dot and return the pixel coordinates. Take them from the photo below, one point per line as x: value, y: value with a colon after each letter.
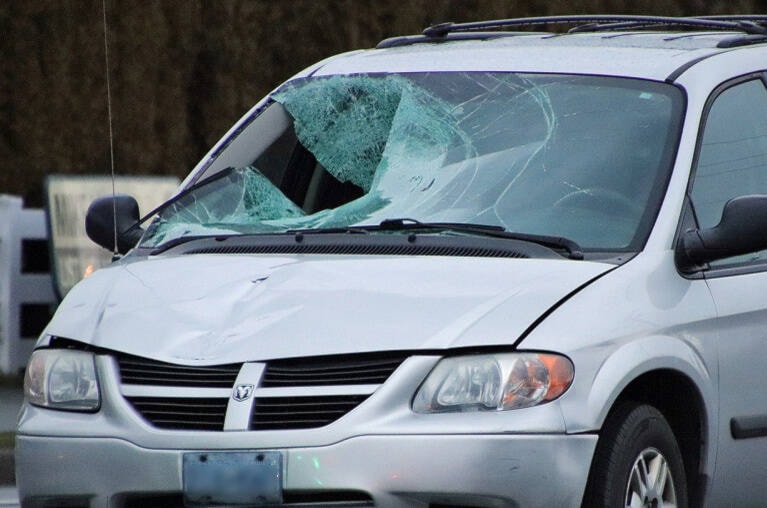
x: 232, y: 478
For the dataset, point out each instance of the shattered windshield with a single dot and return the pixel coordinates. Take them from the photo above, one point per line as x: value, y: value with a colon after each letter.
x: 581, y: 157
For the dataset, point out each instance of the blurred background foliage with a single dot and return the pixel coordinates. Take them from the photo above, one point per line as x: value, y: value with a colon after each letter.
x: 182, y: 71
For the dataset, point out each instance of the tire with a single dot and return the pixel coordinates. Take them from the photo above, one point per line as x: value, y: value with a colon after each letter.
x: 635, y: 444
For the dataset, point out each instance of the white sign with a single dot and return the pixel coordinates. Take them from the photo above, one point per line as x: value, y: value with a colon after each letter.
x: 73, y: 254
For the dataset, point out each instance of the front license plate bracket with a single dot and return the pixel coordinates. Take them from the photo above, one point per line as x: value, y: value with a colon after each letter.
x: 232, y: 478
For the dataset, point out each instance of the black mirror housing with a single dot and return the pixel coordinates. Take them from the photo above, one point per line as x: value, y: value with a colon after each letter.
x: 107, y: 212
x: 742, y: 230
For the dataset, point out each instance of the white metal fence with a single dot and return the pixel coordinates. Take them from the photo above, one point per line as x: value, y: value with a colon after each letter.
x: 26, y: 290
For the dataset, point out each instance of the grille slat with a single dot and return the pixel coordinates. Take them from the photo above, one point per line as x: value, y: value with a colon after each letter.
x: 351, y: 370
x: 142, y: 371
x: 148, y: 371
x: 371, y: 380
x: 283, y: 413
x: 333, y: 370
x: 164, y: 381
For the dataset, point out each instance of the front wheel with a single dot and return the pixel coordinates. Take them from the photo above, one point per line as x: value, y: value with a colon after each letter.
x: 637, y: 462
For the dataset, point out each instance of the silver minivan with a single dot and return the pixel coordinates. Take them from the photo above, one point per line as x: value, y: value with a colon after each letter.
x: 470, y: 268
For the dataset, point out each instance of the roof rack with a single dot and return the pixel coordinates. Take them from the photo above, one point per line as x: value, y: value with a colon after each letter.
x: 753, y: 27
x: 406, y: 40
x: 750, y: 26
x: 603, y: 22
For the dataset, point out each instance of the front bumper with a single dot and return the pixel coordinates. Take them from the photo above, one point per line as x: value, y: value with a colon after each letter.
x: 480, y: 470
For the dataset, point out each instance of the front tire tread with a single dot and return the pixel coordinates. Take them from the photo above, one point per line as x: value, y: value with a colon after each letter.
x: 629, y: 429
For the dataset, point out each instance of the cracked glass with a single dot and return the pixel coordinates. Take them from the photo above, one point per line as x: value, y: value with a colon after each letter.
x: 581, y: 157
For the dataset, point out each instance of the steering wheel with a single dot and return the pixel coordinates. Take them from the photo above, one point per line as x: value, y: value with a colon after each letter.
x: 599, y: 199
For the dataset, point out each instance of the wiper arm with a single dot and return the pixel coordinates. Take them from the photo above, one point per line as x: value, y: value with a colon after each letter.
x: 468, y: 227
x: 572, y: 248
x: 557, y: 242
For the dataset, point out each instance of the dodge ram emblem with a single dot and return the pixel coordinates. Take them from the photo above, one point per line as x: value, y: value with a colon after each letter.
x: 242, y: 392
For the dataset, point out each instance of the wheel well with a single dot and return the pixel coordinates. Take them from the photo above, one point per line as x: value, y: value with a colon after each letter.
x: 675, y: 395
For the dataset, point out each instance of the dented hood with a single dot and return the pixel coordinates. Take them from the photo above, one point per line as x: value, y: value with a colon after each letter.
x: 215, y: 309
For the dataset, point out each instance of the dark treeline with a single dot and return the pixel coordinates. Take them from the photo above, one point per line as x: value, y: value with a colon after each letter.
x: 182, y: 71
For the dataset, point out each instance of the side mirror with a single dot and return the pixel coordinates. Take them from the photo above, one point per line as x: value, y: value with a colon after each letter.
x: 106, y: 212
x: 742, y: 229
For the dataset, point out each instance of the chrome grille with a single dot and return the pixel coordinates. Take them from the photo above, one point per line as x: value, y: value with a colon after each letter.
x: 182, y: 413
x: 198, y: 400
x: 284, y: 413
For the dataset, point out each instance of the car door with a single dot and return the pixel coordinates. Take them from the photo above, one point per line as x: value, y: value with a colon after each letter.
x: 731, y: 162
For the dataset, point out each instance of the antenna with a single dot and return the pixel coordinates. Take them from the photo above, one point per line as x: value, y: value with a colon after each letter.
x: 115, y: 254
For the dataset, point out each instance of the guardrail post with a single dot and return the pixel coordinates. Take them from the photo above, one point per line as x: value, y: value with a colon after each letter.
x: 10, y: 208
x: 26, y: 289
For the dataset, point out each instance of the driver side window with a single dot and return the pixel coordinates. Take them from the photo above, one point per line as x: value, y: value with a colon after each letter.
x: 733, y: 155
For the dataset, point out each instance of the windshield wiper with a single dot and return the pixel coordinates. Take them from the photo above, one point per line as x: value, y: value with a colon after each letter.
x: 572, y: 248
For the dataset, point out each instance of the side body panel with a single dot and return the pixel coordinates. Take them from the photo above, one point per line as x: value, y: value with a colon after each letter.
x: 741, y: 325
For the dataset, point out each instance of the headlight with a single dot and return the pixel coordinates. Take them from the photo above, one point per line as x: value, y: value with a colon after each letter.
x: 494, y: 382
x: 62, y: 379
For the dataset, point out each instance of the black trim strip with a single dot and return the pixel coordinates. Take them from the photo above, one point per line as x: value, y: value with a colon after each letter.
x: 63, y: 343
x: 352, y: 243
x: 747, y: 427
x: 671, y: 78
x: 557, y: 305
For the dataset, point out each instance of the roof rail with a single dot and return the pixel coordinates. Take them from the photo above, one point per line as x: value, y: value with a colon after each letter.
x: 750, y: 24
x: 407, y: 40
x: 725, y: 23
